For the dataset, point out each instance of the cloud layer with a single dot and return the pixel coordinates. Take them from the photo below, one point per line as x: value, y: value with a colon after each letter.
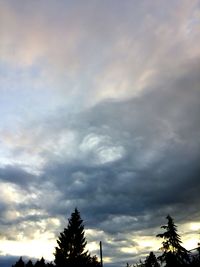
x: 99, y: 105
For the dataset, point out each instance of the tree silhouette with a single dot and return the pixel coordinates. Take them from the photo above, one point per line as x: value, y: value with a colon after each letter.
x: 71, y: 244
x: 29, y: 264
x: 93, y: 262
x: 151, y: 261
x: 50, y: 264
x: 19, y: 263
x: 173, y: 253
x: 40, y: 263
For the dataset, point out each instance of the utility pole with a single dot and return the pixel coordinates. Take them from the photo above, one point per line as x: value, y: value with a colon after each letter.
x: 101, y: 255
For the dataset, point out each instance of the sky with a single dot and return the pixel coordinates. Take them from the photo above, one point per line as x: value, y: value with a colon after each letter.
x: 99, y: 104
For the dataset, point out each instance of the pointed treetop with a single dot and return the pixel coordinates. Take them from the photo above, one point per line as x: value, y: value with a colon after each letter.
x: 173, y: 252
x: 71, y: 243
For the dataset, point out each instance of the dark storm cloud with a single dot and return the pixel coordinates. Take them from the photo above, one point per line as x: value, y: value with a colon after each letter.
x: 125, y: 162
x: 17, y: 175
x: 156, y: 137
x: 158, y: 173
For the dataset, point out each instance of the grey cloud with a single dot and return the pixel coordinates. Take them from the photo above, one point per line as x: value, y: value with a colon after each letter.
x: 124, y: 188
x: 157, y: 174
x: 109, y: 44
x: 15, y: 174
x: 160, y: 167
x: 125, y: 163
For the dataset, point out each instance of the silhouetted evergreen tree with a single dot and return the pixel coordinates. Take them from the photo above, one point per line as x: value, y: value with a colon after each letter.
x: 19, y: 263
x: 71, y: 244
x: 40, y: 263
x: 93, y: 262
x: 151, y: 261
x: 29, y: 264
x: 173, y: 253
x: 140, y: 264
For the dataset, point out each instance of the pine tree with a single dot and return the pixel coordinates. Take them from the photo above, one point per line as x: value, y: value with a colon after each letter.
x: 151, y: 261
x: 93, y: 262
x: 19, y: 263
x: 173, y: 252
x: 29, y: 263
x: 40, y: 263
x: 71, y: 244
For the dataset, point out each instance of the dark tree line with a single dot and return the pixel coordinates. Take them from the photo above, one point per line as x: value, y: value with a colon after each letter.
x: 38, y: 263
x: 71, y: 252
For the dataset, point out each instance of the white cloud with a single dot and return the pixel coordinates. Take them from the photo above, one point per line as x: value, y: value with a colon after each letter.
x: 101, y: 148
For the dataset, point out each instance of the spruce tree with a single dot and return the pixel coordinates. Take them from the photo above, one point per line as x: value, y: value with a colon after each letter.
x: 29, y: 263
x: 173, y: 252
x: 151, y: 261
x: 19, y: 263
x: 71, y: 244
x: 40, y: 263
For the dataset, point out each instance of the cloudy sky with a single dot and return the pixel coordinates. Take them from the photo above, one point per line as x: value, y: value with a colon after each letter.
x: 99, y: 104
